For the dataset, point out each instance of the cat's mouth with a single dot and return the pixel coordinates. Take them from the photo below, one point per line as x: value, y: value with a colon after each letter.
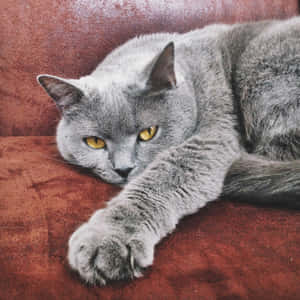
x: 114, y: 179
x: 120, y: 183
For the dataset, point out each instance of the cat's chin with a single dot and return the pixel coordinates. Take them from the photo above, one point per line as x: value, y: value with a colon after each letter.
x: 122, y: 184
x: 117, y: 183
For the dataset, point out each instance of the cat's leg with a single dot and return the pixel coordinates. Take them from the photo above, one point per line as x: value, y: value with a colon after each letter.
x: 257, y: 179
x: 118, y: 241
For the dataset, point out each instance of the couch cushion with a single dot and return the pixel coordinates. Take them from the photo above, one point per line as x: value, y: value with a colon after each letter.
x: 225, y: 251
x: 69, y: 38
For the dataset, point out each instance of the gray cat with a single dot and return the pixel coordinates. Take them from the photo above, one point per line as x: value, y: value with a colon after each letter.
x: 178, y: 120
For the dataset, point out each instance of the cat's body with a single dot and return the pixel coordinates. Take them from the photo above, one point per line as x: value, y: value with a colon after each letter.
x: 176, y: 115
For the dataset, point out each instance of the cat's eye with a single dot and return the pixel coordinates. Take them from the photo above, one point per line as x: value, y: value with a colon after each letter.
x: 94, y: 142
x: 148, y: 134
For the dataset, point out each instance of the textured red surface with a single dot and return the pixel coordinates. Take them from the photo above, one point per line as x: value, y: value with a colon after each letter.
x: 226, y: 251
x: 69, y: 38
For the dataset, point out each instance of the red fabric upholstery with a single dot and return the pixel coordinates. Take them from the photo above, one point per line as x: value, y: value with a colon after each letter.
x: 227, y: 251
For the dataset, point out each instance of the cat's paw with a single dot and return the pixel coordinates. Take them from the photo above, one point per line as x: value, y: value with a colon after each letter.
x: 102, y: 256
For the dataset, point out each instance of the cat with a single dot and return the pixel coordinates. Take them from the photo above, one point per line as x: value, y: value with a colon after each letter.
x: 179, y: 120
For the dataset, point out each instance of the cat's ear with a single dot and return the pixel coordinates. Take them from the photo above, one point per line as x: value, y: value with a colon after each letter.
x: 162, y: 72
x: 62, y: 91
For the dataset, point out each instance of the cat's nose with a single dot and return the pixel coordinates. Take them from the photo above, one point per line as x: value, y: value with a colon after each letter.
x: 124, y: 172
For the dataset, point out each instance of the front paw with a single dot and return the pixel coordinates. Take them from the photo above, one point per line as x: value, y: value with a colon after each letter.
x: 102, y: 255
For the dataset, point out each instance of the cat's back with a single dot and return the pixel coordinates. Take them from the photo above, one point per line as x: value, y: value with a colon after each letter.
x: 270, y: 60
x: 274, y: 39
x: 277, y: 46
x: 266, y: 83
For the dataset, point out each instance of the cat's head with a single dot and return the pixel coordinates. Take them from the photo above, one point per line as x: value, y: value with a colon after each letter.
x: 116, y: 120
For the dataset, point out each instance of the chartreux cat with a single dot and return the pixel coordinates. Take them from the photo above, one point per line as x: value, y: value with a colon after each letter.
x: 178, y: 120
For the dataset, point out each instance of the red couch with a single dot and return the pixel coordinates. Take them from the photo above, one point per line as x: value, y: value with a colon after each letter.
x: 227, y: 251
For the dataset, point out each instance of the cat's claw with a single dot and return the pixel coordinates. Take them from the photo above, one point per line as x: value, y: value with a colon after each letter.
x: 100, y: 257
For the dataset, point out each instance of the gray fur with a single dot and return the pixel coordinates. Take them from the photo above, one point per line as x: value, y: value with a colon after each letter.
x: 227, y: 109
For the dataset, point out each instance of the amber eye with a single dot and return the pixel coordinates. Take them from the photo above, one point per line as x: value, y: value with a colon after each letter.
x: 94, y: 142
x: 147, y: 134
